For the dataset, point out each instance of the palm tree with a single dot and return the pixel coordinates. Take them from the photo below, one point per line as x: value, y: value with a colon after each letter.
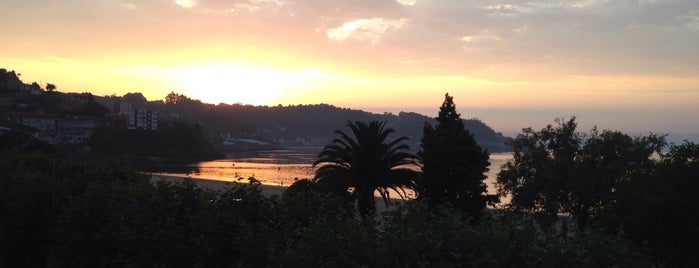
x: 366, y: 162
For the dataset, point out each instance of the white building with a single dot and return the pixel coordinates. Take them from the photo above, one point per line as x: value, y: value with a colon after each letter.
x: 143, y: 119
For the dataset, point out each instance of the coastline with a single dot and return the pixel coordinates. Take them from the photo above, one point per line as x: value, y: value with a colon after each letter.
x: 217, y: 185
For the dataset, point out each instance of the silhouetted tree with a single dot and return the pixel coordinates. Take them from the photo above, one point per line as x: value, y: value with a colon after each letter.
x: 368, y: 161
x: 135, y: 99
x: 559, y: 170
x: 171, y: 98
x: 91, y: 108
x: 658, y: 209
x: 453, y: 164
x: 50, y: 87
x: 36, y: 86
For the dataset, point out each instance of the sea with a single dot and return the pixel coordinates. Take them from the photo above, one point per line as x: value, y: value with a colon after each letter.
x: 279, y: 167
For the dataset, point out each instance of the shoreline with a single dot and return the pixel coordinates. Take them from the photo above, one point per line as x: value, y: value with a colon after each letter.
x: 217, y: 185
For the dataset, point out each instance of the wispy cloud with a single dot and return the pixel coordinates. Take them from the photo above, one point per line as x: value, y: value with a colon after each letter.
x: 366, y: 30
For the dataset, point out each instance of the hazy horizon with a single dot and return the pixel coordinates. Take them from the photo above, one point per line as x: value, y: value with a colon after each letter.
x: 620, y: 65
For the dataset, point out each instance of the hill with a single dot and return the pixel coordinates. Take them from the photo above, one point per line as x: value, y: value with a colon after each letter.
x: 293, y: 125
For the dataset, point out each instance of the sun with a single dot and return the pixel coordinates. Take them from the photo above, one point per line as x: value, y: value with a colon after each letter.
x: 236, y: 83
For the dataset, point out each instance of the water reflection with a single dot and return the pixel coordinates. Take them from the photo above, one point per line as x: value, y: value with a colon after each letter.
x: 276, y: 167
x: 279, y: 167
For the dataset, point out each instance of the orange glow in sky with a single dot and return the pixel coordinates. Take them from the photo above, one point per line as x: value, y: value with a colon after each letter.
x: 629, y: 65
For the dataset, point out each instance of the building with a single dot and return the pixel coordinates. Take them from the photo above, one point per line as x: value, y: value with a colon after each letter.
x: 122, y: 108
x: 45, y: 124
x: 71, y: 101
x: 6, y: 126
x: 144, y: 119
x: 52, y: 129
x: 75, y: 130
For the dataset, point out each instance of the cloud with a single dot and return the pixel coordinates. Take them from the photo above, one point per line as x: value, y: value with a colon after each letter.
x: 186, y: 3
x: 257, y: 5
x: 406, y: 2
x: 501, y: 9
x: 545, y: 37
x: 365, y: 30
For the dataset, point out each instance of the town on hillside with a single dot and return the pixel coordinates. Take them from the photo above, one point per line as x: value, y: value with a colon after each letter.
x: 62, y: 118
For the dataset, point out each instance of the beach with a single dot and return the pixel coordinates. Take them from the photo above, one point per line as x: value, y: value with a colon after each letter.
x: 218, y: 185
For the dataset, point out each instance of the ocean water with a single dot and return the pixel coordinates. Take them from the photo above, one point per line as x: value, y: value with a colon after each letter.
x: 281, y: 167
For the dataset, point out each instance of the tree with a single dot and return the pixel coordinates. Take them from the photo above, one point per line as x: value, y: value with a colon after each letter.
x: 171, y: 98
x: 657, y: 209
x: 366, y: 162
x: 50, y: 87
x: 558, y: 170
x: 453, y: 164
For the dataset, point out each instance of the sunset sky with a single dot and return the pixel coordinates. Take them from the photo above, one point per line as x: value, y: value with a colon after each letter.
x: 630, y: 65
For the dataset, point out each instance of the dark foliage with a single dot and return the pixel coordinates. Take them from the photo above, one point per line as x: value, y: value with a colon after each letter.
x: 9, y: 81
x: 559, y: 170
x: 612, y: 182
x: 57, y: 212
x: 366, y: 162
x: 657, y: 209
x: 89, y: 109
x: 176, y: 141
x: 453, y: 164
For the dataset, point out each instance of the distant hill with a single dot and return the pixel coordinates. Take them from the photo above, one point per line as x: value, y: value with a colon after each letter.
x: 294, y: 125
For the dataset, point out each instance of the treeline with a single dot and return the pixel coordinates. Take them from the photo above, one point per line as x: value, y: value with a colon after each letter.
x: 172, y: 140
x: 58, y: 212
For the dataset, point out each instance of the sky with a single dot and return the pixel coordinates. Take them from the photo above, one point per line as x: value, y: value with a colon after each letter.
x: 630, y: 65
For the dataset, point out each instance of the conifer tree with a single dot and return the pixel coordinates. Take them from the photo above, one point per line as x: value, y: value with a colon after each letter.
x: 453, y: 164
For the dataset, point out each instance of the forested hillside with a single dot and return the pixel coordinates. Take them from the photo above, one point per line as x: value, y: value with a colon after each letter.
x: 294, y: 124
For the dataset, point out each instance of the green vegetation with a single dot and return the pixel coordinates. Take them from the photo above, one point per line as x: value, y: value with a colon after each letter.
x: 454, y: 165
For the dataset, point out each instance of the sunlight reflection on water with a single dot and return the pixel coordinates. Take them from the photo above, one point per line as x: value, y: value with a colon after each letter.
x: 284, y: 167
